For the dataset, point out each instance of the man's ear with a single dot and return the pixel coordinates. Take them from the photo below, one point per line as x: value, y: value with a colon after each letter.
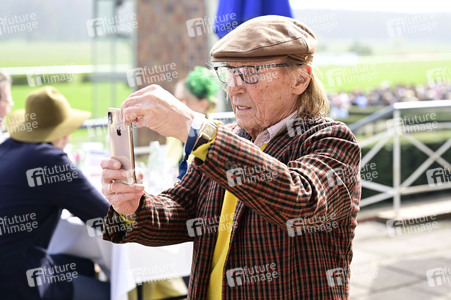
x: 303, y: 77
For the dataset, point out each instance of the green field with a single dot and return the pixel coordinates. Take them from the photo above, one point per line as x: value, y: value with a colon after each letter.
x: 334, y: 78
x: 52, y: 53
x: 80, y: 95
x: 98, y: 97
x: 368, y: 76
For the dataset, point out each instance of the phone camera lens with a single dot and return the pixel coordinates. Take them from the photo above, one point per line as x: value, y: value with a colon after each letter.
x: 110, y: 118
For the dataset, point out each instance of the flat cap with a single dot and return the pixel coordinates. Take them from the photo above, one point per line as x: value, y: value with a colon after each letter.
x: 266, y: 38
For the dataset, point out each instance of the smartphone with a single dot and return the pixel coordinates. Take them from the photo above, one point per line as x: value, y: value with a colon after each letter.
x: 121, y: 142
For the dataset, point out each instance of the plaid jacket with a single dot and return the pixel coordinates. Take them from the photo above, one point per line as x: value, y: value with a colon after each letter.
x: 294, y: 222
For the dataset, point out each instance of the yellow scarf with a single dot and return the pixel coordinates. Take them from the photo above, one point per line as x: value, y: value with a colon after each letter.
x: 222, y: 245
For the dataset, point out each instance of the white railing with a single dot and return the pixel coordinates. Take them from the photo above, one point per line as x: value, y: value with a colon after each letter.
x: 397, y: 130
x: 394, y: 132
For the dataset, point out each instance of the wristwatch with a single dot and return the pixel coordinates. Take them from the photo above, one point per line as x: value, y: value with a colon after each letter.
x: 206, y: 133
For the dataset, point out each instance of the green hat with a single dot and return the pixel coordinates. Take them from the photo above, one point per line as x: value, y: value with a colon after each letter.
x: 202, y: 83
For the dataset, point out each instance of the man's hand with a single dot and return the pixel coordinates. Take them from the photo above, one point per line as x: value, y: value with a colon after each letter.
x: 123, y: 197
x: 159, y: 110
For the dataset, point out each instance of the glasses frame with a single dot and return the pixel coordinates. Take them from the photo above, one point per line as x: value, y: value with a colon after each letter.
x: 233, y: 70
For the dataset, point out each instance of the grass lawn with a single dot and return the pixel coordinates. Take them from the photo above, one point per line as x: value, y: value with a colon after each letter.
x: 335, y: 79
x: 20, y: 53
x: 80, y: 95
x: 367, y: 76
x: 97, y: 98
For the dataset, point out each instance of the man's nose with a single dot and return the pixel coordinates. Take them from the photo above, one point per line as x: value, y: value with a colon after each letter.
x: 236, y: 80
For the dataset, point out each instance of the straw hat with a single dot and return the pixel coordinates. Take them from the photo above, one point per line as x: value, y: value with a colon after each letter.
x: 47, y: 117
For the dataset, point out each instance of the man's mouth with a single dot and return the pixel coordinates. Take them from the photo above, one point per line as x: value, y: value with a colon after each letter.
x: 239, y: 107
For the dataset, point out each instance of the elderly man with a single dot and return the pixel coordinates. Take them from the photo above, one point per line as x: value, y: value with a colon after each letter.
x: 6, y: 100
x: 270, y: 202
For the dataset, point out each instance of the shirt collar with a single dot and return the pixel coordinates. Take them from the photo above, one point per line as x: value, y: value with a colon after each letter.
x: 269, y: 133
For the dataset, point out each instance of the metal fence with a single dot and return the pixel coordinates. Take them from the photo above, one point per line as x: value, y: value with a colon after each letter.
x: 395, y: 130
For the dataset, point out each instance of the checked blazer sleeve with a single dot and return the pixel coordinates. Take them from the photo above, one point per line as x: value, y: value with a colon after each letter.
x: 310, y: 175
x: 305, y: 175
x: 160, y: 220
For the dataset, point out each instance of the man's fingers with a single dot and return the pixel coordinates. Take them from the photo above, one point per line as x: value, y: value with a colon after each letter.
x: 134, y: 102
x: 132, y: 114
x: 117, y: 187
x: 144, y: 90
x: 122, y: 188
x: 139, y: 175
x: 120, y: 199
x: 110, y: 163
x: 109, y: 175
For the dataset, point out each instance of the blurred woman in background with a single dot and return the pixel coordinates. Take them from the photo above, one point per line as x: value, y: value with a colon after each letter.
x: 197, y: 91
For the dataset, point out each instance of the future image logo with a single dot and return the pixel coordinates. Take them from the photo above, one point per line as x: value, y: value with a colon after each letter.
x: 297, y: 126
x: 35, y: 177
x: 252, y: 275
x: 439, y: 276
x: 249, y: 174
x: 18, y: 23
x: 51, y: 274
x: 200, y: 226
x: 18, y: 223
x: 95, y: 27
x: 303, y: 225
x: 351, y: 75
x: 219, y: 23
x: 103, y: 26
x: 336, y: 277
x: 195, y: 226
x: 438, y: 75
x: 411, y: 124
x: 196, y: 27
x: 148, y: 274
x: 438, y: 176
x: 235, y: 176
x: 151, y: 75
x: 95, y: 227
x: 112, y: 225
x: 411, y: 24
x: 398, y: 227
x: 45, y: 76
x: 48, y: 175
x: 235, y: 277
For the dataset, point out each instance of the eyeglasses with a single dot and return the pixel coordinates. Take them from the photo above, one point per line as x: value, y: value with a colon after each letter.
x: 249, y: 74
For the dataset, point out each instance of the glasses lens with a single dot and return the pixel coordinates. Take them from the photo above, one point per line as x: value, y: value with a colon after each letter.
x: 224, y: 74
x: 250, y: 74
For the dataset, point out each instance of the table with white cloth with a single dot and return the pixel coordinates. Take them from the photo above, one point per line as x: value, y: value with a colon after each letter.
x: 126, y: 265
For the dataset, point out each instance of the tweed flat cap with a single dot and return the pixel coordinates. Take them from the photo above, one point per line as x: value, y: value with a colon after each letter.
x: 265, y: 38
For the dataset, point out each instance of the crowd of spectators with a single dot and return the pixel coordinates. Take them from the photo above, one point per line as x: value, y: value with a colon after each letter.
x: 387, y: 95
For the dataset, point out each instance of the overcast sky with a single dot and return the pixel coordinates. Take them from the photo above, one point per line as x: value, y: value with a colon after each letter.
x: 413, y: 6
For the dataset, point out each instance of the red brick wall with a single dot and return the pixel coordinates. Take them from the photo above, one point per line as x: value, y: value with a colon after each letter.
x: 163, y: 41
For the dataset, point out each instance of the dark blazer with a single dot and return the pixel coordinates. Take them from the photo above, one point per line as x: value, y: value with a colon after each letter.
x: 296, y: 213
x: 36, y: 182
